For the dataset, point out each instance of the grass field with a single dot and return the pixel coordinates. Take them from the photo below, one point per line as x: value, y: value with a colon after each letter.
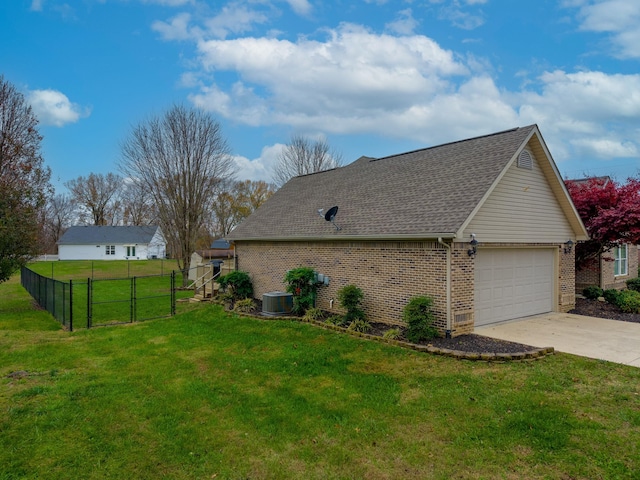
x: 207, y: 394
x: 82, y: 269
x: 115, y: 285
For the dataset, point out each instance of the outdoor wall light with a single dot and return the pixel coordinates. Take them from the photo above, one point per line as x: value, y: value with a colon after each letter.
x: 474, y: 244
x: 568, y: 245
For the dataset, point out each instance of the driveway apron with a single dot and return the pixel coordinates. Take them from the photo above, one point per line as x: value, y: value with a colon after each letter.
x: 610, y: 340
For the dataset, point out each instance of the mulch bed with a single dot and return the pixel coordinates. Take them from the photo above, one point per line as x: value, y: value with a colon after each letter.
x: 478, y: 344
x: 465, y: 343
x: 596, y: 308
x: 469, y: 343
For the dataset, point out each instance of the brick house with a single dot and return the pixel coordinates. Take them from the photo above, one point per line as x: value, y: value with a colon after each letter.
x: 614, y: 267
x: 405, y: 225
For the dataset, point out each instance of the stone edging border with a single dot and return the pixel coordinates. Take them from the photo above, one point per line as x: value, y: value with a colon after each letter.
x: 533, y: 354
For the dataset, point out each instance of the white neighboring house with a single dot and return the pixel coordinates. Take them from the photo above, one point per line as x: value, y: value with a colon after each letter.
x: 112, y: 243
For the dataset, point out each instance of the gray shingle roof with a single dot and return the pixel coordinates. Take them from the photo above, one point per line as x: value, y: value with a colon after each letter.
x: 421, y: 193
x: 101, y: 235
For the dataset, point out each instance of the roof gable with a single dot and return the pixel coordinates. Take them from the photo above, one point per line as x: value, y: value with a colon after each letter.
x: 100, y: 235
x: 426, y: 193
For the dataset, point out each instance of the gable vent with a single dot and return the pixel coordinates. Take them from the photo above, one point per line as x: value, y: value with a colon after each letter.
x: 525, y: 160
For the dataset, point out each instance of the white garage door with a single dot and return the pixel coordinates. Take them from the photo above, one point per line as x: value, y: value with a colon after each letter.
x: 513, y: 283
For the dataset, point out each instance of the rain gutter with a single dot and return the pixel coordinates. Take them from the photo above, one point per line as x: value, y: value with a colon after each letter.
x: 448, y: 247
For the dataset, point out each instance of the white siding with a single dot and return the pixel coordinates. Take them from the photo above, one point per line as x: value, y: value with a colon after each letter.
x: 157, y: 247
x: 84, y: 252
x: 521, y: 209
x: 93, y: 252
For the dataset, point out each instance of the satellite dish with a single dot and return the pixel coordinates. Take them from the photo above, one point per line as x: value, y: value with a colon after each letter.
x: 331, y: 215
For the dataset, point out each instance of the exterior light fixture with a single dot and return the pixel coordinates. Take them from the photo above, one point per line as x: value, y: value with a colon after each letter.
x: 474, y: 244
x: 568, y: 245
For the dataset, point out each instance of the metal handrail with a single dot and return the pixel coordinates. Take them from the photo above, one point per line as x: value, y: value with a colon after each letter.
x: 204, y: 284
x: 200, y: 278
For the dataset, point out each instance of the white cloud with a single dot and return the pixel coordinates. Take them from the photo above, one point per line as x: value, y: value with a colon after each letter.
x: 355, y: 81
x: 301, y: 7
x: 260, y: 168
x: 620, y: 18
x: 461, y: 17
x: 54, y: 108
x: 606, y: 147
x: 36, y: 5
x: 579, y: 112
x: 353, y: 69
x: 234, y: 18
x: 404, y: 24
x: 176, y: 29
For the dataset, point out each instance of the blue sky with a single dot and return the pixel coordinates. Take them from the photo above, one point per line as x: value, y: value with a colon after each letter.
x: 372, y: 77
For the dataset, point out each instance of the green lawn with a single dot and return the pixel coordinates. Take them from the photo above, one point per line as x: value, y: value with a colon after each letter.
x: 206, y: 394
x: 113, y: 288
x: 82, y: 269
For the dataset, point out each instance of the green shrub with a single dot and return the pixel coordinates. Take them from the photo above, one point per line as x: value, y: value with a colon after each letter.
x: 592, y: 292
x: 301, y: 282
x: 359, y: 325
x: 238, y: 284
x: 246, y: 305
x: 629, y: 301
x: 612, y: 296
x: 337, y: 320
x: 392, y: 334
x: 313, y: 314
x: 419, y: 319
x: 223, y: 298
x: 634, y: 284
x: 350, y: 298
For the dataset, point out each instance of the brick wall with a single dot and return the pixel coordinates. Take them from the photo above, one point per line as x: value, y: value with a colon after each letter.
x: 567, y: 280
x: 462, y: 290
x: 389, y: 273
x: 587, y: 276
x: 609, y: 280
x: 602, y: 273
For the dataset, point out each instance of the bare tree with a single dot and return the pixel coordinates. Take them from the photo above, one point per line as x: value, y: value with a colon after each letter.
x: 98, y: 195
x: 302, y: 156
x: 24, y: 181
x: 236, y: 201
x: 181, y: 158
x: 137, y: 204
x: 59, y: 215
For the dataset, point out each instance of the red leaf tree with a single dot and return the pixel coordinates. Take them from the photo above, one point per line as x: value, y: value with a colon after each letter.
x: 610, y: 212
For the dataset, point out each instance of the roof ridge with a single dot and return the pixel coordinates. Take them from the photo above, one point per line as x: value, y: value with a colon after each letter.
x: 452, y: 143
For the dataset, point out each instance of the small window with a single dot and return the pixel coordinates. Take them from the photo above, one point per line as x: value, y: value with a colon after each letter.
x: 131, y: 251
x: 110, y: 250
x: 525, y: 160
x: 620, y: 261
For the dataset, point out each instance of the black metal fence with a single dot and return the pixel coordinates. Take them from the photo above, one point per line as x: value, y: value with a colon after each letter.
x: 100, y: 302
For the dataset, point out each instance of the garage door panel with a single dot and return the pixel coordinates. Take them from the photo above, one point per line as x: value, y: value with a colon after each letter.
x: 513, y: 283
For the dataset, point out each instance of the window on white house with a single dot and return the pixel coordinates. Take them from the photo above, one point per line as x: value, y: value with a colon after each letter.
x: 110, y: 250
x: 620, y: 261
x: 131, y: 251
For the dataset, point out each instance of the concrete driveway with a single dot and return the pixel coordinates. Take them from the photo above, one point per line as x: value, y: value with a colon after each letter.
x: 592, y: 337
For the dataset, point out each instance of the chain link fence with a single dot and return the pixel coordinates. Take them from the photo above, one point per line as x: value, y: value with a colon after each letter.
x: 103, y: 301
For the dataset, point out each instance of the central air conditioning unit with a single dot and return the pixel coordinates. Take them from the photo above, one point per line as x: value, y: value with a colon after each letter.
x: 277, y: 303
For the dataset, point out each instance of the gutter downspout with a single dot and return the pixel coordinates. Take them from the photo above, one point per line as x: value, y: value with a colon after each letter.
x: 448, y: 247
